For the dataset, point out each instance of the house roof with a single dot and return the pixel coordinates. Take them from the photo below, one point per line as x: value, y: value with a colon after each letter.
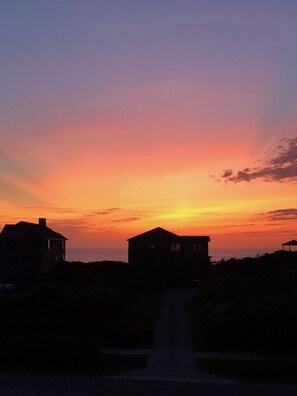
x: 156, y: 232
x: 162, y: 233
x: 27, y: 230
x: 196, y: 238
x: 290, y: 243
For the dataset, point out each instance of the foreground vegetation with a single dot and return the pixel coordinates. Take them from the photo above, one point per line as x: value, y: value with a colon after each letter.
x: 247, y: 305
x: 63, y: 320
x: 251, y: 370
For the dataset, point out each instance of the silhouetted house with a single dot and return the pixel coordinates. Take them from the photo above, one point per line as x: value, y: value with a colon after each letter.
x: 28, y: 248
x: 169, y: 258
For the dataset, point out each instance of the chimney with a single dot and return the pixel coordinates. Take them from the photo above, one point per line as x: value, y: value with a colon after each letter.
x: 42, y: 222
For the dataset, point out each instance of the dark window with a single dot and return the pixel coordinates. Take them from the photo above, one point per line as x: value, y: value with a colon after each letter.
x: 197, y: 247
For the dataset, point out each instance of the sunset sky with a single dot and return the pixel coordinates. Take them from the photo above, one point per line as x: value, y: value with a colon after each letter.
x: 119, y: 116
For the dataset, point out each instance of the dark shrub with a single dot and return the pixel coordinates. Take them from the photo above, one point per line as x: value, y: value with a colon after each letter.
x: 48, y: 352
x: 247, y: 305
x: 47, y: 294
x: 86, y: 311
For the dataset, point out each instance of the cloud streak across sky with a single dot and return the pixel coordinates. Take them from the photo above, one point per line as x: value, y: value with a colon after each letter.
x: 278, y: 167
x: 282, y: 215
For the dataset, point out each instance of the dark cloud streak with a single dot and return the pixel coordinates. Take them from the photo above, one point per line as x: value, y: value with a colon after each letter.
x: 282, y: 214
x: 278, y: 167
x: 127, y: 220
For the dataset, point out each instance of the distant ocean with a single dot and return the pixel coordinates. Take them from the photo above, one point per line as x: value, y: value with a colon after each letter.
x: 220, y: 254
x: 88, y: 255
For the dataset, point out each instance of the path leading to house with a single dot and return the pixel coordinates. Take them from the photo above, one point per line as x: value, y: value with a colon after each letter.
x: 172, y: 356
x: 172, y: 353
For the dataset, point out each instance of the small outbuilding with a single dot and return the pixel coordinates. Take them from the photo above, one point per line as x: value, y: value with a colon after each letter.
x: 290, y: 244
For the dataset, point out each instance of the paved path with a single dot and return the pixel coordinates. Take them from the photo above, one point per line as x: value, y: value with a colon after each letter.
x: 172, y: 357
x: 173, y: 353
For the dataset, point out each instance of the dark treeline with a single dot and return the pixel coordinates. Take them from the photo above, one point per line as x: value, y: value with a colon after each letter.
x: 248, y: 305
x: 65, y: 318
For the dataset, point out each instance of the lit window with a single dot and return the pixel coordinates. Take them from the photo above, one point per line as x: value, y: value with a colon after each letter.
x: 175, y: 247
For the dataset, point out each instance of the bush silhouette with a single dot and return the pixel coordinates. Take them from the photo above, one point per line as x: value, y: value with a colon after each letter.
x: 48, y: 351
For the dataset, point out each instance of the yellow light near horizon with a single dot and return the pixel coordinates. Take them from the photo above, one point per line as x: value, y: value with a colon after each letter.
x: 171, y: 215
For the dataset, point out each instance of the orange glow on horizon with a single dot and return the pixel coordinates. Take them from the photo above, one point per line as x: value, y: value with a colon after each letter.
x: 100, y: 193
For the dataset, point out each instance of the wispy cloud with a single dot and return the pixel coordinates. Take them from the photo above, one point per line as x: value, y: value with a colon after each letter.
x: 282, y: 214
x: 279, y: 166
x: 126, y: 220
x: 230, y: 226
x: 80, y: 223
x: 106, y: 211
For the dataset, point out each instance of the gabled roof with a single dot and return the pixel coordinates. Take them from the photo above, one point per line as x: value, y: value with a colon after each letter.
x: 161, y: 233
x: 154, y: 233
x: 201, y: 238
x: 27, y: 230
